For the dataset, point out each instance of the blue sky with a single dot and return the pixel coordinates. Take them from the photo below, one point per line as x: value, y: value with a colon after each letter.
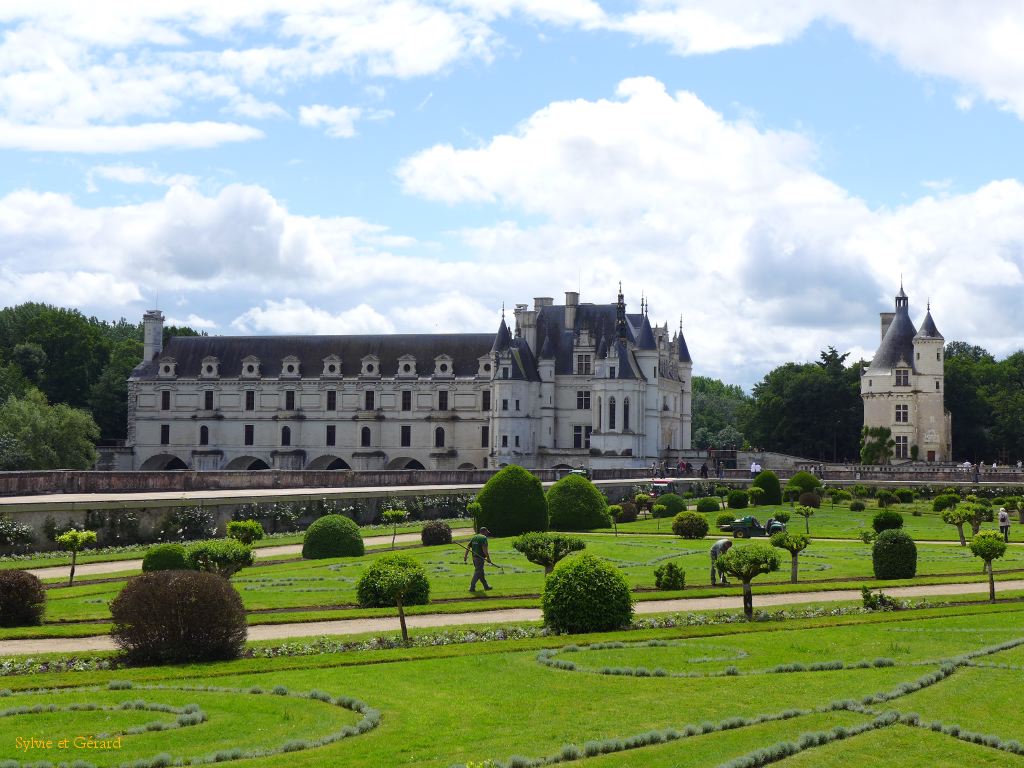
x: 343, y: 166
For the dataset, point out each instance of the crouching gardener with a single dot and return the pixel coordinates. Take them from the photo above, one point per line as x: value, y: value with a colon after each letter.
x: 478, y: 546
x: 720, y: 547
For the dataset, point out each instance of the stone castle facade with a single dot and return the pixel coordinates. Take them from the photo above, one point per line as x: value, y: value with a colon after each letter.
x: 572, y: 384
x: 903, y: 386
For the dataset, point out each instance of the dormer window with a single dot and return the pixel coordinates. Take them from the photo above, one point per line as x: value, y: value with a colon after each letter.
x: 406, y: 366
x: 332, y: 366
x: 290, y: 367
x: 902, y: 377
x: 370, y: 366
x: 250, y: 367
x: 444, y: 366
x: 484, y: 366
x: 167, y: 368
x: 209, y: 368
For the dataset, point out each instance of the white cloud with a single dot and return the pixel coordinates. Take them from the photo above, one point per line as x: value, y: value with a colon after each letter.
x: 193, y: 321
x: 295, y: 316
x: 133, y: 174
x: 339, y: 122
x: 111, y: 139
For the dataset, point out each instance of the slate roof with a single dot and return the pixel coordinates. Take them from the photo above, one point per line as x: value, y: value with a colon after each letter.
x: 683, y: 352
x: 465, y: 349
x: 898, y: 342
x: 928, y: 329
x: 646, y: 336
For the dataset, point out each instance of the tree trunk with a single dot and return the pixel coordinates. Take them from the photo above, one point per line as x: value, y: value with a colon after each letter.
x: 748, y: 601
x: 960, y: 530
x: 71, y: 578
x: 991, y: 584
x: 394, y: 533
x: 807, y: 525
x: 793, y: 567
x: 548, y: 568
x: 975, y: 527
x: 401, y: 621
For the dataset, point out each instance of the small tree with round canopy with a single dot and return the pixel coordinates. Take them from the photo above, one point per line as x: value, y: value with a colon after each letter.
x: 74, y: 542
x: 546, y: 549
x: 794, y: 543
x: 746, y: 564
x: 806, y: 513
x: 394, y: 518
x: 394, y: 579
x: 989, y: 546
x: 958, y: 516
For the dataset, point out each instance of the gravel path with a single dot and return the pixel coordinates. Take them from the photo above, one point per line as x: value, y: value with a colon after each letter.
x: 511, y: 615
x: 284, y: 550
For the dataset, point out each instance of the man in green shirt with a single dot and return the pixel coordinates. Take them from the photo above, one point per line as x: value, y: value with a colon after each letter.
x: 478, y: 546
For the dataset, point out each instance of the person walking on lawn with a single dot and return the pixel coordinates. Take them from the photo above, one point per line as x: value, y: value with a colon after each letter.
x: 478, y: 546
x: 720, y: 547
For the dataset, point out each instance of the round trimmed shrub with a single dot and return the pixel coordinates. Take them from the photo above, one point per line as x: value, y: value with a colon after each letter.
x: 708, y: 504
x: 724, y: 520
x: 575, y: 504
x: 585, y: 594
x: 332, y: 536
x: 738, y: 499
x: 904, y: 495
x: 857, y: 506
x: 756, y: 494
x: 22, y: 599
x: 165, y: 557
x: 860, y: 491
x: 171, y: 617
x: 245, y: 531
x: 894, y: 555
x: 809, y: 499
x: 887, y: 520
x: 374, y: 589
x: 805, y: 481
x: 629, y: 512
x: 673, y: 502
x: 225, y: 557
x: 886, y: 498
x: 669, y: 577
x: 512, y: 502
x: 690, y: 525
x: 436, y: 532
x: 782, y: 516
x: 769, y: 482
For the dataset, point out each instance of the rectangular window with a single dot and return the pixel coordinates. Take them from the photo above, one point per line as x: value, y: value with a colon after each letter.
x: 208, y: 400
x: 902, y: 449
x: 586, y: 435
x: 165, y: 434
x: 583, y: 399
x: 332, y: 401
x: 577, y: 437
x: 902, y: 377
x: 406, y: 436
x: 504, y: 441
x: 485, y: 437
x: 250, y: 431
x: 289, y: 400
x: 936, y: 384
x: 331, y: 434
x: 165, y: 400
x: 517, y: 405
x: 583, y: 365
x: 517, y: 441
x: 504, y: 373
x: 611, y: 372
x: 442, y: 400
x: 902, y: 414
x: 504, y: 404
x: 486, y: 403
x: 406, y: 400
x: 250, y: 400
x: 368, y: 400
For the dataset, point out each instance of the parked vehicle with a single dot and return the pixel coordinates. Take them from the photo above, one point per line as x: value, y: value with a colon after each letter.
x: 749, y: 527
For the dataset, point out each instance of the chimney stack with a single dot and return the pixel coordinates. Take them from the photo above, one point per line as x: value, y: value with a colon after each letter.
x: 572, y: 301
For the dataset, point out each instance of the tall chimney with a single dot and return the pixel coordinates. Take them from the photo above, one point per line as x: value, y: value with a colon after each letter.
x: 572, y: 300
x: 886, y: 318
x: 152, y: 334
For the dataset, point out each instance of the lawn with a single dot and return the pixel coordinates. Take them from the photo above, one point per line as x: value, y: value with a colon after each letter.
x: 481, y: 702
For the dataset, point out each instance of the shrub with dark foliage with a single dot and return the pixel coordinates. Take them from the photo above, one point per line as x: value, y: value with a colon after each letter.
x: 669, y: 576
x: 886, y: 498
x: 332, y: 536
x: 575, y: 504
x: 724, y: 519
x: 887, y: 520
x: 629, y: 512
x: 586, y: 594
x: 945, y: 501
x: 805, y: 481
x: 738, y: 499
x: 222, y: 556
x: 22, y: 599
x: 512, y: 502
x: 436, y: 532
x: 165, y: 557
x: 894, y: 555
x: 856, y: 506
x: 708, y: 504
x: 809, y: 499
x: 673, y: 502
x: 376, y: 589
x: 690, y: 525
x: 769, y: 481
x: 905, y: 495
x: 173, y: 617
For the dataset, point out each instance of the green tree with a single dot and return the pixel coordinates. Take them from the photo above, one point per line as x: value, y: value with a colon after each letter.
x: 746, y: 564
x: 74, y: 542
x: 49, y: 436
x: 31, y: 358
x: 806, y: 513
x: 794, y: 543
x: 989, y: 545
x: 716, y: 406
x: 546, y: 549
x: 876, y: 444
x: 394, y: 518
x: 969, y: 372
x: 394, y: 579
x: 108, y: 397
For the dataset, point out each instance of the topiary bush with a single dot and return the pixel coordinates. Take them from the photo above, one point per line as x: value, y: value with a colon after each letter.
x: 436, y: 532
x: 805, y: 481
x: 782, y: 516
x: 245, y: 531
x: 886, y: 498
x: 724, y: 520
x: 738, y: 499
x: 575, y: 504
x: 373, y: 590
x: 165, y: 557
x: 809, y: 499
x: 172, y: 617
x: 756, y: 494
x: 673, y: 503
x: 887, y: 520
x: 547, y: 549
x: 894, y: 555
x: 857, y: 506
x: 225, y: 557
x: 585, y: 594
x: 629, y: 512
x: 708, y: 504
x: 690, y: 525
x: 22, y: 599
x: 332, y: 536
x: 512, y: 502
x: 904, y: 495
x: 769, y: 482
x: 860, y: 491
x: 945, y: 501
x: 669, y: 576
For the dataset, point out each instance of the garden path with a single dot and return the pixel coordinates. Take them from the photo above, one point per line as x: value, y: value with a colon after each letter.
x: 388, y: 624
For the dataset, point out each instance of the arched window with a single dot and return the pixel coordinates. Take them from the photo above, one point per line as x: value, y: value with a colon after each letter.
x: 439, y: 437
x: 600, y: 413
x: 611, y: 413
x: 364, y: 437
x: 286, y: 435
x: 625, y: 413
x: 204, y: 435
